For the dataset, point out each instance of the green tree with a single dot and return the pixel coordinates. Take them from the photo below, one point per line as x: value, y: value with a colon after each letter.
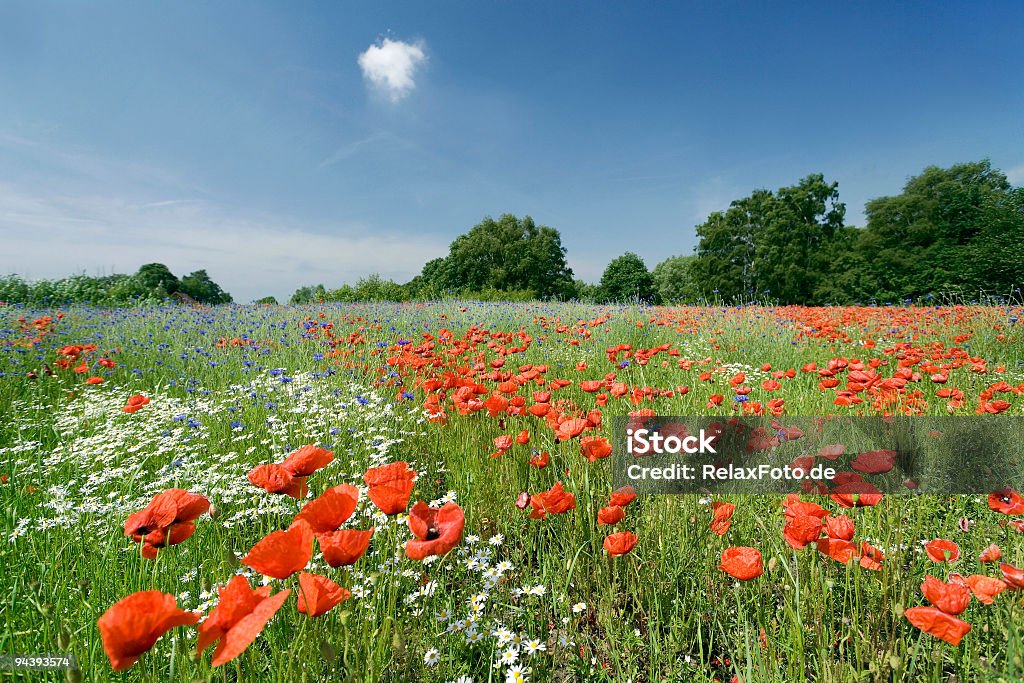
x: 373, y: 287
x: 508, y: 254
x: 673, y: 279
x: 308, y: 294
x: 158, y: 279
x: 791, y: 247
x: 724, y: 266
x: 266, y: 301
x: 627, y: 279
x: 200, y: 287
x: 959, y: 229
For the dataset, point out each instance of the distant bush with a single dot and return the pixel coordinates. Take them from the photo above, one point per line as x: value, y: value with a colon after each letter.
x: 153, y: 283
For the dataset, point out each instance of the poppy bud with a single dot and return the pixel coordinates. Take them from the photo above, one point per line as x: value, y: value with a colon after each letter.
x: 523, y: 500
x: 73, y: 676
x: 32, y: 375
x: 398, y: 645
x: 46, y: 609
x: 207, y: 584
x: 64, y: 639
x: 772, y: 563
x: 327, y: 652
x: 214, y: 512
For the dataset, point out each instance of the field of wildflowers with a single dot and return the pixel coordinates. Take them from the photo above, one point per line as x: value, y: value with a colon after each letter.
x: 423, y: 492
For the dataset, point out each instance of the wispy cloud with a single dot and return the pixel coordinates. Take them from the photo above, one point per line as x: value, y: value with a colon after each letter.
x: 378, y: 139
x: 53, y: 236
x: 711, y: 195
x: 390, y: 66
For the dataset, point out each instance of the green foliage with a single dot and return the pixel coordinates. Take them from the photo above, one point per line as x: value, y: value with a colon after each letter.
x: 959, y: 229
x: 266, y: 301
x: 627, y: 279
x: 158, y: 278
x: 790, y: 248
x: 309, y: 294
x: 586, y: 292
x: 200, y: 287
x: 152, y: 283
x: 508, y: 254
x: 674, y: 281
x: 770, y: 243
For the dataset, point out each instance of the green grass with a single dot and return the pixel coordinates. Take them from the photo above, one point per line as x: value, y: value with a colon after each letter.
x: 76, y: 466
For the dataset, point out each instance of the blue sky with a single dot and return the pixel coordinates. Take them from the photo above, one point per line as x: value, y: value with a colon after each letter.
x: 253, y: 140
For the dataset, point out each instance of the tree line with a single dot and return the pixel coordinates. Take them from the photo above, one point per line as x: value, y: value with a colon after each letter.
x: 955, y: 232
x: 152, y: 283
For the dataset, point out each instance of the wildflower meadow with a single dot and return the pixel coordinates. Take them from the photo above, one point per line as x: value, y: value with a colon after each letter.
x: 423, y: 492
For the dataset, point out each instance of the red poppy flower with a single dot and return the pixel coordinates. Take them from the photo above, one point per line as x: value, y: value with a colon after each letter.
x: 838, y: 549
x: 570, y: 429
x: 742, y: 563
x: 801, y: 530
x: 133, y: 624
x: 307, y: 460
x: 94, y: 380
x: 839, y: 526
x: 794, y: 507
x: 166, y: 520
x: 1013, y: 576
x: 1006, y: 501
x: 941, y: 550
x: 722, y: 519
x: 875, y: 462
x: 623, y: 496
x: 238, y: 618
x: 274, y: 478
x: 390, y: 486
x: 985, y: 588
x: 934, y: 621
x: 345, y: 547
x: 318, y: 595
x: 555, y: 501
x: 990, y: 554
x: 951, y: 598
x: 437, y: 531
x: 856, y: 494
x: 331, y: 509
x: 610, y: 515
x: 135, y: 403
x: 540, y: 460
x: 595, y: 447
x: 620, y: 543
x: 832, y: 451
x: 871, y: 557
x: 280, y: 554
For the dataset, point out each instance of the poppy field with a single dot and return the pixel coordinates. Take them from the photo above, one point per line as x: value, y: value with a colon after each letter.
x: 406, y: 492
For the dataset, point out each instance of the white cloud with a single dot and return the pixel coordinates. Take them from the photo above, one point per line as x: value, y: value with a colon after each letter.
x: 391, y: 65
x: 250, y: 257
x: 1016, y: 175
